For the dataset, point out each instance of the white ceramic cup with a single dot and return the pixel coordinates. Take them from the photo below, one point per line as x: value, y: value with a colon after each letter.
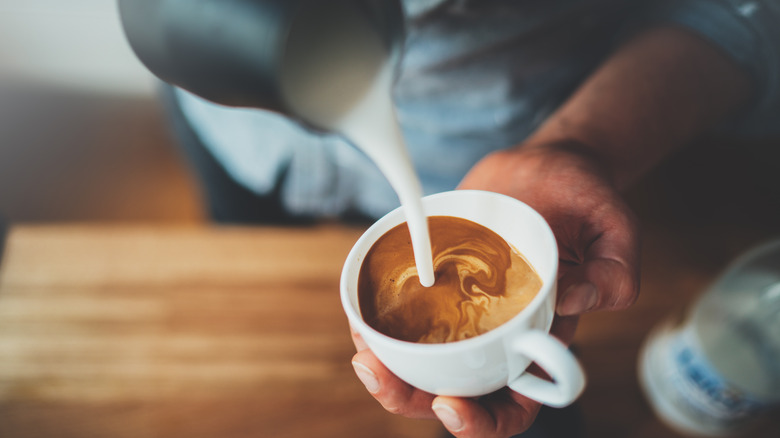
x: 500, y: 357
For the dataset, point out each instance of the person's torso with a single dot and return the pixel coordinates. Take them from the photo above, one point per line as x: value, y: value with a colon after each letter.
x: 476, y: 76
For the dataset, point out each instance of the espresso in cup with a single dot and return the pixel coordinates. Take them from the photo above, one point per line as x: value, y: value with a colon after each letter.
x: 481, y: 283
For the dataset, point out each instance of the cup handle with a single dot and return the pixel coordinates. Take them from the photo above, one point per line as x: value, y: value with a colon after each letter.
x: 557, y: 361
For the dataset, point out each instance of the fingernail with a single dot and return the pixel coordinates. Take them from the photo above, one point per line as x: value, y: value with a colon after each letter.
x: 578, y: 298
x: 366, y: 376
x: 448, y: 417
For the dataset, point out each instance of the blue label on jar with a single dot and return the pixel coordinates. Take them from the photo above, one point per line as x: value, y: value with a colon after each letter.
x: 706, y: 392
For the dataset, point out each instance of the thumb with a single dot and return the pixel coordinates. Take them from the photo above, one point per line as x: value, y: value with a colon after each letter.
x: 598, y: 284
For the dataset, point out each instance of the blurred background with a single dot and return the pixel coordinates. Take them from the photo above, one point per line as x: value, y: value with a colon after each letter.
x: 83, y: 139
x: 82, y: 136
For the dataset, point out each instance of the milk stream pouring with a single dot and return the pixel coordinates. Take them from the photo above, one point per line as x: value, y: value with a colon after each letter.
x: 329, y: 64
x: 718, y: 371
x: 356, y: 102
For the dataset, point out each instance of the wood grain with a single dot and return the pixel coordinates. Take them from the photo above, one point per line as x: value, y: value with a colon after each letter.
x: 180, y: 331
x: 193, y: 331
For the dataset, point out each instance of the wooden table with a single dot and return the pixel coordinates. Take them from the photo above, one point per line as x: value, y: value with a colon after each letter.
x: 171, y: 331
x: 112, y: 331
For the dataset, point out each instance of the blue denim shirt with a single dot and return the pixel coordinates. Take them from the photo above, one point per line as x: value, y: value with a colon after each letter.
x: 477, y: 76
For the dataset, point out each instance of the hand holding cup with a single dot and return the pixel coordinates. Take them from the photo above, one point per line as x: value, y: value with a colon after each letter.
x: 485, y: 362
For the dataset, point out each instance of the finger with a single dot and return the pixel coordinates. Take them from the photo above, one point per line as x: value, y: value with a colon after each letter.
x: 357, y: 339
x: 395, y: 395
x: 601, y: 284
x: 609, y: 276
x: 499, y: 415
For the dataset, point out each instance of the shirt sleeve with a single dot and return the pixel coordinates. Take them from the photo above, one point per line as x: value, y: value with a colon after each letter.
x: 748, y: 31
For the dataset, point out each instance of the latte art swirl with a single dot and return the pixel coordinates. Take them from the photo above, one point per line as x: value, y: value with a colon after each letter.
x: 481, y: 282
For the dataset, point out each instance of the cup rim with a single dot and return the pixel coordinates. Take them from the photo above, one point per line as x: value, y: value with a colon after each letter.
x: 549, y: 281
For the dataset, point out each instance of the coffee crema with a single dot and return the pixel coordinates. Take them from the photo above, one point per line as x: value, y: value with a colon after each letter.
x: 481, y: 283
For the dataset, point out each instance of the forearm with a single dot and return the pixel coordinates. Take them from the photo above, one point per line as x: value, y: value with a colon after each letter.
x: 654, y: 95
